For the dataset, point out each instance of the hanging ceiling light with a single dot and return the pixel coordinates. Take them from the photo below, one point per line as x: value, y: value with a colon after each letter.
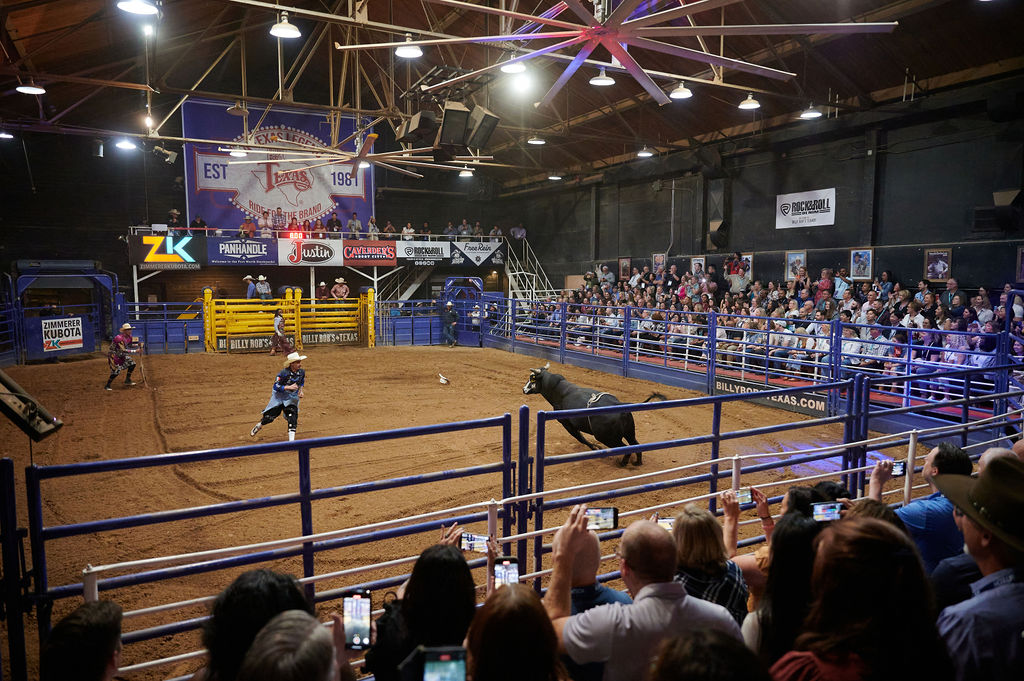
x: 513, y: 66
x: 4, y: 135
x: 149, y: 122
x: 408, y: 51
x: 31, y: 88
x: 125, y: 144
x: 750, y: 103
x: 811, y: 113
x: 554, y: 176
x: 283, y: 29
x: 238, y: 153
x: 538, y: 141
x: 602, y: 79
x: 465, y: 172
x: 237, y: 109
x: 645, y: 152
x: 137, y: 6
x: 681, y: 92
x: 364, y: 164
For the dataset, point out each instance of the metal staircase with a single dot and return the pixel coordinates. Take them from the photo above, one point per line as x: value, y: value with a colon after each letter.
x: 526, y: 277
x: 404, y: 283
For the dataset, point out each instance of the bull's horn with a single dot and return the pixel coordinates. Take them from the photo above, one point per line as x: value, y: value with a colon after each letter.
x: 547, y: 366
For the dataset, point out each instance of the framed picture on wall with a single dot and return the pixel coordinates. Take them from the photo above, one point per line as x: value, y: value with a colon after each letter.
x: 862, y: 263
x: 658, y: 260
x: 624, y: 265
x: 794, y: 261
x: 1020, y: 263
x: 938, y: 263
x: 697, y: 266
x: 748, y: 259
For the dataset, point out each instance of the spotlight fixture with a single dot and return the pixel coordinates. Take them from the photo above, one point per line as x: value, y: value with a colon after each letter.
x: 149, y: 122
x: 147, y: 30
x: 513, y: 67
x: 537, y: 141
x: 602, y: 79
x: 811, y: 113
x: 238, y: 109
x: 364, y: 164
x: 238, y: 153
x: 554, y: 176
x: 681, y: 92
x: 125, y: 144
x: 408, y: 51
x: 282, y: 29
x: 465, y: 172
x: 750, y: 103
x: 137, y: 6
x: 4, y: 135
x: 645, y: 152
x: 31, y: 88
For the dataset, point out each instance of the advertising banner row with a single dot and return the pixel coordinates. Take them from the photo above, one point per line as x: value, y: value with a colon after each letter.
x: 180, y: 252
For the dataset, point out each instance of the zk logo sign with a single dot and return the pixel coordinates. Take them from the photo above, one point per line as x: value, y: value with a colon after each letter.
x: 167, y: 249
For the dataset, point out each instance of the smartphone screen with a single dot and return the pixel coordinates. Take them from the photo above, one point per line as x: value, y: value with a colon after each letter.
x: 473, y: 542
x: 356, y: 612
x: 743, y: 495
x: 827, y: 511
x: 506, y: 571
x: 667, y: 523
x: 602, y: 518
x: 444, y: 664
x: 899, y: 469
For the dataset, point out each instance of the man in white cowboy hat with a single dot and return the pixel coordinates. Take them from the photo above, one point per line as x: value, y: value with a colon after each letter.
x: 119, y: 357
x: 263, y: 291
x: 250, y: 291
x: 984, y: 633
x: 285, y: 395
x: 174, y: 223
x: 322, y: 292
x: 449, y: 320
x: 340, y: 289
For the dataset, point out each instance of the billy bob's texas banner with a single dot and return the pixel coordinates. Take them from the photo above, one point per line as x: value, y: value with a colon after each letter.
x: 223, y: 193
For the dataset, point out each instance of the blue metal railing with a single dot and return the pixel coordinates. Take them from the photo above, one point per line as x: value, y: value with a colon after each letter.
x: 167, y: 327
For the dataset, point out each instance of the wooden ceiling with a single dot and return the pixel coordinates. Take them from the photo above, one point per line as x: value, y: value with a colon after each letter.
x: 92, y: 59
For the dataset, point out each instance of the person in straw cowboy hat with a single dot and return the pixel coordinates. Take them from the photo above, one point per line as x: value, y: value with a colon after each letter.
x: 263, y: 290
x: 983, y: 633
x: 120, y: 358
x: 250, y: 291
x: 340, y: 289
x: 285, y: 395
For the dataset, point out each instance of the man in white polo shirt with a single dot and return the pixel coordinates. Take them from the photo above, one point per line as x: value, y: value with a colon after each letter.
x: 622, y: 636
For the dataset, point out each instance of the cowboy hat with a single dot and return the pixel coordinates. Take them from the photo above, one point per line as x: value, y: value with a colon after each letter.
x: 127, y: 327
x: 174, y: 211
x: 339, y: 280
x: 261, y: 278
x: 323, y: 284
x: 449, y: 303
x: 293, y: 357
x: 247, y: 277
x: 994, y: 500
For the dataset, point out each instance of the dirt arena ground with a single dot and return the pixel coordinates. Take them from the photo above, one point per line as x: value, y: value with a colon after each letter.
x: 204, y: 401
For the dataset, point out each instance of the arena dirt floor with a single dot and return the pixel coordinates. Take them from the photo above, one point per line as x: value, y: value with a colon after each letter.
x: 203, y: 401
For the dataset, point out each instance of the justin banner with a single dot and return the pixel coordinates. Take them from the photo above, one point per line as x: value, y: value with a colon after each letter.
x: 307, y: 252
x: 223, y: 189
x: 806, y: 209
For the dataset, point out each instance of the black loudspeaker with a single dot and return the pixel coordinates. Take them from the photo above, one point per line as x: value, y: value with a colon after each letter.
x: 454, y: 121
x: 418, y: 128
x: 718, y: 213
x: 18, y: 406
x: 482, y: 124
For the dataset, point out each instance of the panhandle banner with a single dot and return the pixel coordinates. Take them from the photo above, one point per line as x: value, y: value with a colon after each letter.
x: 168, y: 252
x: 221, y: 251
x: 370, y: 253
x: 224, y: 192
x: 63, y: 333
x: 424, y: 252
x: 478, y: 253
x: 309, y: 252
x: 812, y: 404
x: 806, y: 209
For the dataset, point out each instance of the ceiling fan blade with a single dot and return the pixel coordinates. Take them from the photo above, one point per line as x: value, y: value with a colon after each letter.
x: 364, y: 149
x: 637, y: 72
x: 506, y: 13
x: 764, y: 29
x: 573, y: 66
x: 522, y: 57
x: 622, y: 12
x: 459, y: 41
x: 704, y: 57
x: 396, y: 169
x: 679, y: 12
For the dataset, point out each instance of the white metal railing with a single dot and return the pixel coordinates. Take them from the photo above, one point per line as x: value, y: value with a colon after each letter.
x: 527, y: 279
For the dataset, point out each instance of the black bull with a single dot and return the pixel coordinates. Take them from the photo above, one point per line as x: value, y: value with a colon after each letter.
x: 609, y: 429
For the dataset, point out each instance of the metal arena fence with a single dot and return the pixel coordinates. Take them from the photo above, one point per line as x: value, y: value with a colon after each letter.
x: 524, y: 515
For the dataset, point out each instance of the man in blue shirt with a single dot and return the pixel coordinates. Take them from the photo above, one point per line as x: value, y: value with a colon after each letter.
x: 285, y: 395
x: 930, y: 519
x: 983, y: 633
x: 250, y: 290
